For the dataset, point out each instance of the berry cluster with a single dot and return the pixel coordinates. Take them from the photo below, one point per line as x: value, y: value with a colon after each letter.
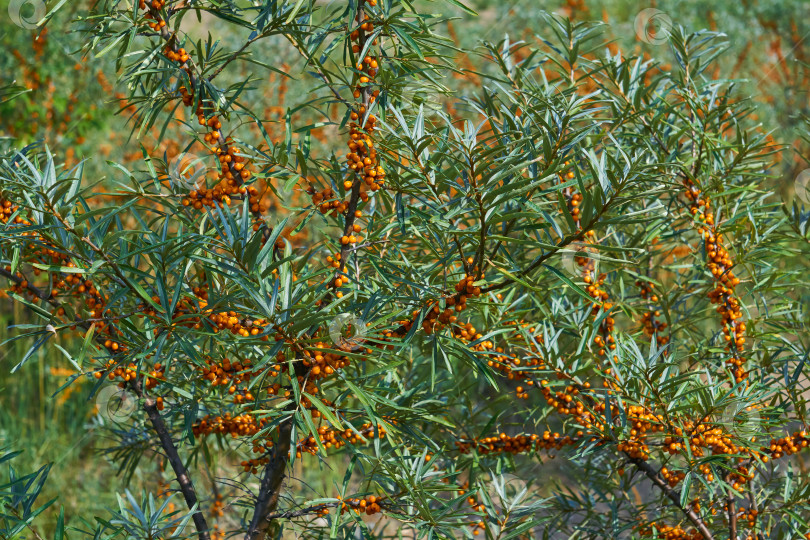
x: 153, y: 7
x: 516, y: 444
x: 326, y: 202
x: 331, y: 438
x: 366, y: 174
x: 322, y: 363
x: 242, y: 425
x: 594, y: 282
x: 437, y: 318
x: 234, y: 166
x: 720, y: 265
x: 666, y: 532
x: 368, y: 505
x: 238, y: 325
x: 787, y: 446
x: 7, y: 209
x: 651, y: 326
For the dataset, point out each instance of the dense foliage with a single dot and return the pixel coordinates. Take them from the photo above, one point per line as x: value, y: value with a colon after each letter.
x: 546, y: 291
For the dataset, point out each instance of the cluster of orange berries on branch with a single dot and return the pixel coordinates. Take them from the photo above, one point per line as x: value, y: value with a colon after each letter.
x: 645, y: 289
x: 245, y: 327
x: 476, y: 507
x: 437, y: 318
x: 7, y: 209
x: 331, y: 438
x: 467, y: 332
x: 227, y: 373
x: 641, y: 423
x: 352, y: 238
x: 594, y: 282
x: 235, y: 167
x: 701, y: 436
x: 153, y: 6
x: 748, y: 517
x: 513, y: 367
x: 673, y: 478
x: 252, y: 465
x: 235, y: 171
x: 720, y: 265
x: 565, y: 400
x: 242, y: 425
x: 787, y: 446
x: 334, y: 260
x: 366, y: 173
x: 635, y: 449
x: 368, y: 505
x: 362, y: 157
x: 474, y: 504
x: 478, y: 527
x: 217, y: 507
x: 596, y: 291
x: 180, y: 55
x: 322, y: 363
x: 666, y: 532
x: 573, y: 199
x: 516, y: 444
x: 125, y: 373
x: 156, y: 374
x: 225, y: 189
x: 326, y: 202
x: 653, y: 327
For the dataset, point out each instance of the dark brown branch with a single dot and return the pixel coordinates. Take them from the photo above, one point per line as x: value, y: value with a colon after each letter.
x: 732, y: 512
x: 39, y: 293
x: 752, y: 500
x: 269, y: 490
x: 354, y: 198
x: 672, y: 495
x: 179, y: 468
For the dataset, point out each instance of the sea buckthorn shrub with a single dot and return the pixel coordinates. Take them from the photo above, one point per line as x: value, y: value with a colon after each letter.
x: 560, y: 308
